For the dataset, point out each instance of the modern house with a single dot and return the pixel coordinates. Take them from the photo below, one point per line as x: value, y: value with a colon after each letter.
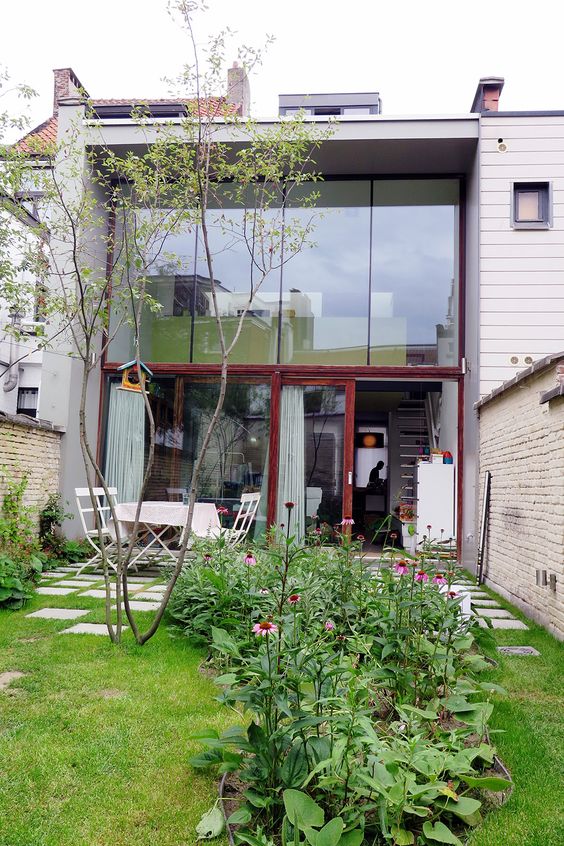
x: 436, y: 275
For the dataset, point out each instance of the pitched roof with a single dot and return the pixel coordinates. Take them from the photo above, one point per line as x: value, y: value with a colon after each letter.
x: 46, y: 133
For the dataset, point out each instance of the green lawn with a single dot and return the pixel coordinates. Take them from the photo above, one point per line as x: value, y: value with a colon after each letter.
x: 531, y: 742
x: 94, y: 740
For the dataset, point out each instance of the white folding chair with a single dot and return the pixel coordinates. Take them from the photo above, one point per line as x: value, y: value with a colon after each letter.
x: 244, y: 519
x: 103, y: 529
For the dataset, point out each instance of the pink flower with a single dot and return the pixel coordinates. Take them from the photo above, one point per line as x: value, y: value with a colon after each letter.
x: 329, y: 625
x: 250, y: 559
x: 289, y: 505
x: 317, y: 531
x: 421, y: 576
x: 347, y: 521
x: 393, y: 535
x: 360, y: 538
x: 264, y: 591
x: 207, y: 556
x: 294, y: 598
x: 402, y: 568
x: 452, y: 594
x: 439, y: 579
x: 222, y: 510
x: 429, y: 526
x: 265, y: 628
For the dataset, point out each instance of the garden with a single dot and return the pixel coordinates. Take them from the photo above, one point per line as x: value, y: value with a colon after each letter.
x: 357, y: 707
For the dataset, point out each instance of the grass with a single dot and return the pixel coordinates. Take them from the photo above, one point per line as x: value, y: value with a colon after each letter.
x: 94, y: 740
x: 530, y: 720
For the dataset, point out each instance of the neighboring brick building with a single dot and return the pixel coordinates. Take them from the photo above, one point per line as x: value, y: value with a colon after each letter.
x: 522, y: 445
x: 33, y: 448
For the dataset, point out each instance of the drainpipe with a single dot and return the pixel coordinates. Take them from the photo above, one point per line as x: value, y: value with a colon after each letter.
x: 13, y: 371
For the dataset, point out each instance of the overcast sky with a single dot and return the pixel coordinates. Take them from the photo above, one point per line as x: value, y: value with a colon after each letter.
x: 421, y: 57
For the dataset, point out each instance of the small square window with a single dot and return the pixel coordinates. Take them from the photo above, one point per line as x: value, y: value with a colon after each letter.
x: 27, y: 401
x: 531, y: 205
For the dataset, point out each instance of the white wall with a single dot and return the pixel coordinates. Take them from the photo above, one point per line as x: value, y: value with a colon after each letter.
x: 521, y: 271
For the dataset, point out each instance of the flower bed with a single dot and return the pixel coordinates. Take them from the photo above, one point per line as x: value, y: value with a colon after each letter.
x: 362, y: 716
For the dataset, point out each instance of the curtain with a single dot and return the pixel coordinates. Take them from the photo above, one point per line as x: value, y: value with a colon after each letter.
x: 125, y: 443
x: 291, y: 473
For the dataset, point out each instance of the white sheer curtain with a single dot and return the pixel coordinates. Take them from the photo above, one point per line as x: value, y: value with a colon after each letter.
x: 291, y: 471
x: 125, y: 443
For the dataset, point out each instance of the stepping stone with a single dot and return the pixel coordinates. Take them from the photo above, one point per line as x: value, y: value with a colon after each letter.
x: 59, y: 613
x: 142, y: 606
x: 508, y: 624
x: 54, y: 591
x: 149, y: 594
x: 51, y: 574
x: 89, y: 628
x: 88, y: 577
x: 140, y: 579
x: 69, y: 569
x: 99, y: 594
x: 7, y: 678
x: 484, y: 603
x: 517, y: 650
x: 74, y: 583
x: 495, y: 612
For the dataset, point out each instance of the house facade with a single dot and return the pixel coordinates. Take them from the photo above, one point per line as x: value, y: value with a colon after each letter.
x: 436, y: 274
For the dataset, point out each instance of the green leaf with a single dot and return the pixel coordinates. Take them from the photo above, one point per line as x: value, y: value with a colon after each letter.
x: 488, y: 783
x: 464, y: 806
x: 352, y: 838
x: 295, y: 768
x: 302, y: 810
x: 223, y: 642
x: 331, y: 832
x: 389, y: 649
x: 241, y: 816
x: 211, y: 825
x: 426, y: 715
x: 440, y: 833
x: 402, y: 837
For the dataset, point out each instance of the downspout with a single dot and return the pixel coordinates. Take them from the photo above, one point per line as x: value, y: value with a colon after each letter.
x: 11, y: 382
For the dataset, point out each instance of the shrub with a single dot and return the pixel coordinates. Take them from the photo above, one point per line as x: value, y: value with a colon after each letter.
x: 362, y: 689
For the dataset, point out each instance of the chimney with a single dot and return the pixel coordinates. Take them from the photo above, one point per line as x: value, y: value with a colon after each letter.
x: 239, y: 90
x: 67, y: 84
x: 488, y: 92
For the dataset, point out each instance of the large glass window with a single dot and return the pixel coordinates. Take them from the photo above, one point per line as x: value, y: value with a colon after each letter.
x: 414, y: 286
x: 375, y: 281
x: 325, y: 286
x: 245, y: 249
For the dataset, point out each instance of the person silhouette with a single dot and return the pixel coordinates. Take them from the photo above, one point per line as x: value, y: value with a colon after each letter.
x: 374, y: 480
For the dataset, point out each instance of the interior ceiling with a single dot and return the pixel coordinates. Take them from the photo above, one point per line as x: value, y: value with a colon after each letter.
x: 370, y: 402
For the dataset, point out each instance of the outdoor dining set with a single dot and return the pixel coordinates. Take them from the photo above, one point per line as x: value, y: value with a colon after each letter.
x: 161, y: 525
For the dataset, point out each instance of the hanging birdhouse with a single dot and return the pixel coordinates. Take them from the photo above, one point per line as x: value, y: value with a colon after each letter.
x: 130, y: 376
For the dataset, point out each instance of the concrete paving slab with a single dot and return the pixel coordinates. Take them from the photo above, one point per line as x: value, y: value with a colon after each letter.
x: 495, y: 612
x: 89, y: 628
x: 508, y: 624
x: 8, y: 677
x: 91, y: 577
x: 52, y: 574
x: 99, y: 594
x: 55, y: 591
x: 142, y: 606
x: 149, y: 594
x: 485, y: 603
x: 59, y: 613
x: 73, y: 583
x: 518, y: 650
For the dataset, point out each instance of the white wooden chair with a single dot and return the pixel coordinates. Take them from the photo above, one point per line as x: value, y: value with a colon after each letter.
x: 97, y: 524
x: 243, y: 522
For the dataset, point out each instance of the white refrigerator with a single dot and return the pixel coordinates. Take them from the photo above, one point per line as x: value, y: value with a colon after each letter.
x: 436, y: 501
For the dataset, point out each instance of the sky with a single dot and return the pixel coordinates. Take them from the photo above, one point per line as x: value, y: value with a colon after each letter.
x: 421, y: 57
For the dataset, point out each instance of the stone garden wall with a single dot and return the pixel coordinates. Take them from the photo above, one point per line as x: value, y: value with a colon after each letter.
x: 522, y: 445
x: 32, y: 447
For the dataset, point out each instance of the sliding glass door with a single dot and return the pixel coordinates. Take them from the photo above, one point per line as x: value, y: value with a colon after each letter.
x: 315, y: 454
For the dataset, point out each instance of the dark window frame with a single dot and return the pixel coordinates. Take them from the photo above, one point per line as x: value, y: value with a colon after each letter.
x: 544, y: 189
x: 20, y: 409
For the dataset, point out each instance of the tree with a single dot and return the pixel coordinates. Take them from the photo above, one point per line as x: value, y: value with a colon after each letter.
x: 171, y: 182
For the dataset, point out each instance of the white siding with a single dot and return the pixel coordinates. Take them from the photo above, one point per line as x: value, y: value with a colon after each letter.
x: 521, y: 271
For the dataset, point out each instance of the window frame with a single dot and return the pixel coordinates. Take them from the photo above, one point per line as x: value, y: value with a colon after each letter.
x: 544, y: 187
x: 30, y: 391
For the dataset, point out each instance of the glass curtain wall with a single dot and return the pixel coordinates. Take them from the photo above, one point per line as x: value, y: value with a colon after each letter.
x: 376, y: 281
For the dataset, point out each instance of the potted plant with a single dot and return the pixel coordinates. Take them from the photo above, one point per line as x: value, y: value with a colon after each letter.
x: 408, y: 533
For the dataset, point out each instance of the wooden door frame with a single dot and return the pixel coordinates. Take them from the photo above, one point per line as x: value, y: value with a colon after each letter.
x: 280, y: 380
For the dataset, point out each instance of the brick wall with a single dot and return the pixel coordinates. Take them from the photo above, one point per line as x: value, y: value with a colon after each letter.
x: 34, y: 447
x: 522, y: 445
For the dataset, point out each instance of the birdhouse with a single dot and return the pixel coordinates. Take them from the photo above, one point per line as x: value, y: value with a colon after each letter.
x: 130, y: 376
